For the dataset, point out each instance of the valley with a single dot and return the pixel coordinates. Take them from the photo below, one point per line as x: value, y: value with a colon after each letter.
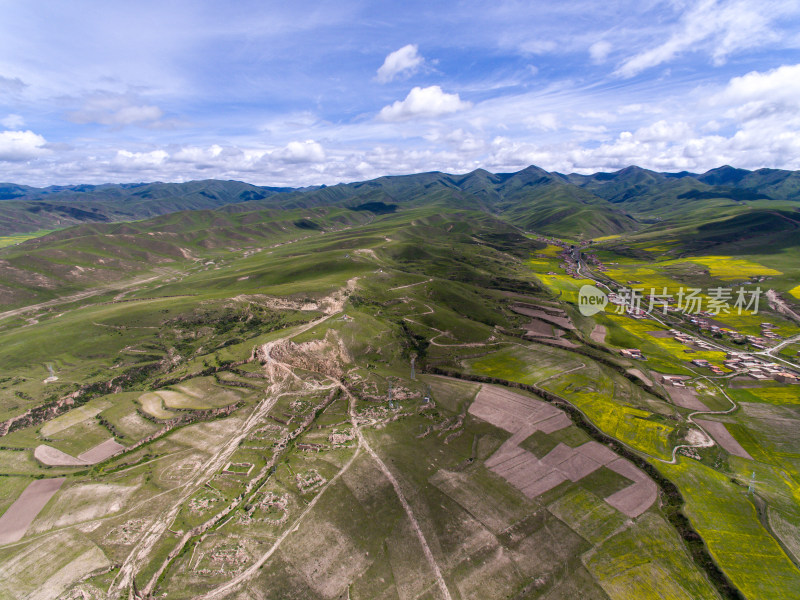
x: 389, y: 390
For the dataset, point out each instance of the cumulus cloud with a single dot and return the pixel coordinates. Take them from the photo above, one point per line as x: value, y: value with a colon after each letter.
x: 758, y: 95
x: 423, y: 103
x: 301, y: 152
x: 12, y: 121
x: 115, y: 110
x: 404, y: 61
x: 663, y: 131
x: 154, y: 158
x: 599, y: 51
x: 18, y: 146
x: 716, y: 26
x: 783, y: 82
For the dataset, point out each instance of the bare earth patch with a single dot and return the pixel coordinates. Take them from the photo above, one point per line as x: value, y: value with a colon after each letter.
x: 641, y: 376
x: 537, y: 313
x: 686, y: 398
x: 100, y: 452
x: 598, y: 334
x: 16, y: 520
x: 53, y: 457
x: 511, y: 411
x: 636, y: 498
x: 84, y: 502
x: 538, y: 328
x: 723, y: 437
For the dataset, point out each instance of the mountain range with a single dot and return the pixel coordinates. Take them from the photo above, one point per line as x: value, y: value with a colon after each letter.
x: 592, y: 205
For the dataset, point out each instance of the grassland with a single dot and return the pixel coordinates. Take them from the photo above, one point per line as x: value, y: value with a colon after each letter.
x: 258, y: 417
x: 18, y: 238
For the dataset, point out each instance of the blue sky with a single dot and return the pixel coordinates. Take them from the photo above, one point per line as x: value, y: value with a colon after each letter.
x: 321, y: 92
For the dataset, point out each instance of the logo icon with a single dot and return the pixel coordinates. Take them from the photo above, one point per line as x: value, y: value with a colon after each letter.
x: 591, y: 300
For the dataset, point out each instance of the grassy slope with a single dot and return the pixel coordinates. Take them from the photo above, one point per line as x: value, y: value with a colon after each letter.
x: 201, y: 314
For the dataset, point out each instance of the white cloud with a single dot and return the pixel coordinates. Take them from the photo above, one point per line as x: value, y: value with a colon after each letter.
x: 662, y: 131
x: 12, y: 121
x: 762, y: 96
x: 599, y: 51
x: 718, y: 27
x: 17, y: 146
x: 201, y: 158
x: 404, y: 61
x: 423, y: 103
x: 115, y: 110
x: 547, y: 121
x: 782, y: 83
x: 537, y: 47
x: 301, y: 152
x: 154, y: 158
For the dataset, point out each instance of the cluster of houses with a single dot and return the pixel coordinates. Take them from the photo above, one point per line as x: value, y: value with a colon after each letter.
x: 760, y: 370
x: 630, y: 309
x: 598, y: 264
x: 632, y: 353
x: 570, y: 255
x: 676, y: 380
x: 687, y: 339
x: 701, y: 362
x: 767, y: 331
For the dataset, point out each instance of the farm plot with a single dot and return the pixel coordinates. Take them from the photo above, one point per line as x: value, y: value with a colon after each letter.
x: 586, y: 514
x: 53, y: 457
x: 560, y: 320
x: 723, y: 437
x: 664, y: 570
x: 153, y: 404
x: 602, y: 398
x: 727, y: 520
x: 685, y: 397
x: 101, y: 452
x: 16, y: 520
x: 451, y: 393
x: 637, y: 498
x: 522, y: 416
x: 526, y: 365
x: 768, y: 429
x: 81, y: 502
x: 599, y: 334
x: 516, y: 413
x: 47, y: 567
x: 73, y: 417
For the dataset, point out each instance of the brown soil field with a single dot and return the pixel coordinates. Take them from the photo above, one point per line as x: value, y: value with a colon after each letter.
x: 523, y: 416
x: 636, y: 498
x: 511, y: 411
x: 53, y: 457
x: 685, y: 398
x: 562, y: 322
x: 539, y: 328
x: 598, y: 334
x: 723, y: 437
x: 15, y: 521
x: 100, y: 452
